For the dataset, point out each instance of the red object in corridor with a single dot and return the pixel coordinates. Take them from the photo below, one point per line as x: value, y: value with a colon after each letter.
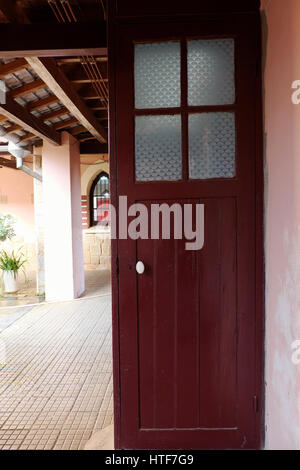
x: 103, y: 211
x: 188, y: 331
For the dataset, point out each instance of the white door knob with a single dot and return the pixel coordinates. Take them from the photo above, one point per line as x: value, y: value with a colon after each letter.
x: 140, y: 267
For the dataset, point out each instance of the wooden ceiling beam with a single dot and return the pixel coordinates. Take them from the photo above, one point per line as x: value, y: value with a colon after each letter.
x: 54, y: 114
x: 19, y: 115
x: 98, y: 108
x: 27, y: 88
x: 8, y: 163
x: 61, y: 87
x: 77, y: 60
x: 79, y: 76
x: 28, y: 136
x: 48, y: 40
x: 77, y: 130
x: 88, y: 93
x: 42, y: 103
x: 12, y: 67
x: 65, y: 123
x: 86, y: 138
x: 90, y: 96
x: 13, y: 128
x: 85, y: 79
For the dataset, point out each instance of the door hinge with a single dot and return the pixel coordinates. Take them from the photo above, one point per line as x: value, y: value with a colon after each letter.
x: 255, y: 404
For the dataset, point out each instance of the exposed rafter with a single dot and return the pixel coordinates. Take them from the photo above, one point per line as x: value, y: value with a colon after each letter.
x: 27, y: 88
x: 98, y: 108
x: 55, y: 114
x: 65, y: 123
x: 13, y: 128
x: 77, y: 60
x: 59, y: 84
x: 90, y: 95
x: 42, y: 103
x: 20, y: 116
x: 79, y: 76
x: 7, y: 163
x: 12, y: 67
x: 77, y: 130
x: 28, y: 136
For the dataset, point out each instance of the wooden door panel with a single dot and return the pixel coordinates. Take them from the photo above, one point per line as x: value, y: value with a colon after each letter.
x: 186, y: 330
x: 187, y: 316
x: 218, y: 316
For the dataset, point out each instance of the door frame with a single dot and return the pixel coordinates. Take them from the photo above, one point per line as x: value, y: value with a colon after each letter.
x: 215, y: 10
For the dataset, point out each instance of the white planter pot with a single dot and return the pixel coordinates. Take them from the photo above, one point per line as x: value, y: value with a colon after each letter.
x: 10, y: 283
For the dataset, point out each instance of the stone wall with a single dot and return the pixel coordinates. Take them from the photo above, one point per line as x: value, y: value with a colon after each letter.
x: 96, y: 248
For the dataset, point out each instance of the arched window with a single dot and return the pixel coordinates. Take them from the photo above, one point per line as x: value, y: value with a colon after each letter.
x: 99, y: 200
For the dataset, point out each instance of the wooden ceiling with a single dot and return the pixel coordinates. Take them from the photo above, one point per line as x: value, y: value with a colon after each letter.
x: 48, y: 93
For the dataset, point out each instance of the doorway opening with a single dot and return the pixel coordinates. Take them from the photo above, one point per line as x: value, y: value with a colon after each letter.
x: 100, y: 200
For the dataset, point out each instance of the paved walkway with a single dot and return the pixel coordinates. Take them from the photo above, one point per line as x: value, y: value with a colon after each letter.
x: 97, y: 282
x: 55, y: 374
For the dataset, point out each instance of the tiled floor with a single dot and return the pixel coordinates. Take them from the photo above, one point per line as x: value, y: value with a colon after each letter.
x: 26, y: 293
x: 55, y: 374
x: 97, y: 282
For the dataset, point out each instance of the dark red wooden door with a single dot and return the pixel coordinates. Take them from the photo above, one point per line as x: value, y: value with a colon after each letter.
x: 186, y: 336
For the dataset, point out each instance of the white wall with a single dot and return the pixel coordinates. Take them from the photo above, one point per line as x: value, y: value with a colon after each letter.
x: 64, y: 272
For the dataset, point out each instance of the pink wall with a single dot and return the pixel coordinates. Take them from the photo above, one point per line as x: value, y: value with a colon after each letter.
x: 17, y: 187
x: 282, y: 140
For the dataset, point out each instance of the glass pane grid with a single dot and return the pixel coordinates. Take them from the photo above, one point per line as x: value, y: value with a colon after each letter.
x: 211, y: 134
x: 212, y: 145
x: 211, y: 72
x: 158, y: 148
x: 157, y: 75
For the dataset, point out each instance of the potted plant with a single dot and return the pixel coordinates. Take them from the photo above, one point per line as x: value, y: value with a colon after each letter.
x: 10, y: 264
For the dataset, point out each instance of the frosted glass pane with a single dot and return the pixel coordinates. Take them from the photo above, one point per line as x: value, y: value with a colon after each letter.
x: 157, y: 75
x: 158, y: 148
x: 211, y: 72
x: 211, y: 145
